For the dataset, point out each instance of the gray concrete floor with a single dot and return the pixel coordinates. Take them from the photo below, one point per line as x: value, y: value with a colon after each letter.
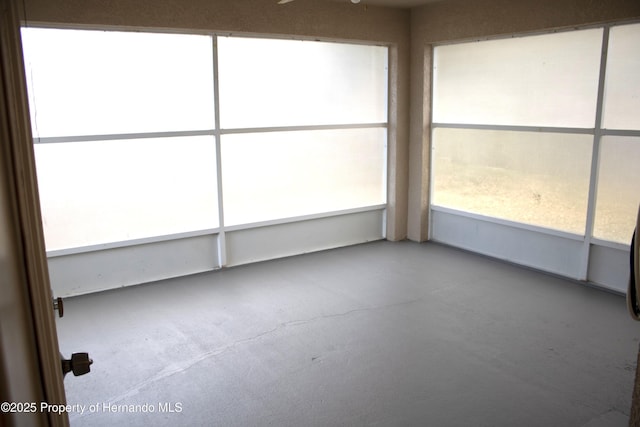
x: 381, y: 334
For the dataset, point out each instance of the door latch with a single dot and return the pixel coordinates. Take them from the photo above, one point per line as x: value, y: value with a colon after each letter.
x: 79, y: 364
x: 58, y: 306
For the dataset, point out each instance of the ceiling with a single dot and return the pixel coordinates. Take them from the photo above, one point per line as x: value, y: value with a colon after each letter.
x: 387, y: 3
x: 398, y: 3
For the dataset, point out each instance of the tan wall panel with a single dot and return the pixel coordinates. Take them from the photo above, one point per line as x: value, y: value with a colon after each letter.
x: 302, y: 18
x: 463, y: 19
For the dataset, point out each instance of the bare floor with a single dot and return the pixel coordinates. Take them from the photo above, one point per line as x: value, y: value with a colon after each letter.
x: 381, y: 334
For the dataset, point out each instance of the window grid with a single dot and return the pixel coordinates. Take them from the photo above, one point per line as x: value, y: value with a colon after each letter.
x: 598, y: 132
x: 216, y: 132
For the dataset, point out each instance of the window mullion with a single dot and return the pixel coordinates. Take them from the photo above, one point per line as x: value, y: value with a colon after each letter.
x: 222, y: 246
x: 595, y: 157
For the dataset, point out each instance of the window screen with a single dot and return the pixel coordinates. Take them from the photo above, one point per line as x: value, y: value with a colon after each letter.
x: 546, y: 80
x: 618, y: 184
x: 530, y: 177
x: 266, y: 82
x: 622, y: 89
x: 115, y: 115
x: 108, y: 191
x: 287, y: 174
x: 486, y: 97
x: 109, y: 82
x: 84, y: 84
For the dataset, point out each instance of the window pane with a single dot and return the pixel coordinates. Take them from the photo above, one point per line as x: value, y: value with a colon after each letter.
x: 618, y: 189
x: 622, y: 90
x: 266, y: 82
x: 284, y: 174
x: 109, y: 191
x: 99, y: 82
x: 546, y: 80
x: 535, y: 178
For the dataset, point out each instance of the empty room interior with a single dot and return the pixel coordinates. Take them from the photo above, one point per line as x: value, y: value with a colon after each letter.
x: 339, y: 213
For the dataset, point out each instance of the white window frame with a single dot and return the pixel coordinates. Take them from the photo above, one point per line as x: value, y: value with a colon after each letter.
x: 584, y: 258
x: 92, y: 268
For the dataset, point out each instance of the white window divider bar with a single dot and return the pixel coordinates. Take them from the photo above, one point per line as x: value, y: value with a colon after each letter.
x: 610, y: 244
x: 133, y: 242
x: 516, y: 128
x: 620, y: 132
x: 211, y: 231
x: 595, y: 157
x: 302, y: 128
x: 301, y: 218
x: 204, y: 132
x: 508, y: 223
x: 113, y: 137
x: 222, y: 242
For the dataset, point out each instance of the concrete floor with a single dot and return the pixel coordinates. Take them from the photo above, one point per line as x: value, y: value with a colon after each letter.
x: 381, y: 334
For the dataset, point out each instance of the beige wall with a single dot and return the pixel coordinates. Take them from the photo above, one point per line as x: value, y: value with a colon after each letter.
x: 469, y: 19
x: 304, y: 18
x: 301, y: 18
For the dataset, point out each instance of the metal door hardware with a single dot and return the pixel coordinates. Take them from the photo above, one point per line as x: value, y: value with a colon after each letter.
x: 58, y: 306
x: 79, y: 364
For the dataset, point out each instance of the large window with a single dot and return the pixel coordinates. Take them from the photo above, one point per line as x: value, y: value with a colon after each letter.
x: 286, y: 174
x: 618, y: 190
x: 545, y: 80
x: 115, y: 190
x: 97, y: 101
x: 622, y: 90
x: 516, y: 126
x: 310, y: 86
x: 530, y: 177
x: 129, y: 144
x: 268, y: 83
x: 99, y: 82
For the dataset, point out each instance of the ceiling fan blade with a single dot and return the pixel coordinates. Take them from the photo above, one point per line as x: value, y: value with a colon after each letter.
x: 284, y: 1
